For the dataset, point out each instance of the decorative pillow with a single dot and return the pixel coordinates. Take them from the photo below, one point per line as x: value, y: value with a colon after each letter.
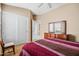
x: 61, y: 36
x: 46, y: 35
x: 52, y: 36
x: 49, y: 35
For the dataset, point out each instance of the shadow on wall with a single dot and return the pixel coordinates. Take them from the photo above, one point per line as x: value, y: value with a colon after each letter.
x: 71, y: 37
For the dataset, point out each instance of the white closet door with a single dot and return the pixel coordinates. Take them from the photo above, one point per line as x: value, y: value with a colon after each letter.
x: 9, y: 27
x: 22, y: 29
x: 14, y: 28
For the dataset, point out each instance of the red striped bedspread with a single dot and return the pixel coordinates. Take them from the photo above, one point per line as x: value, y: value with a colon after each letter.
x: 51, y: 47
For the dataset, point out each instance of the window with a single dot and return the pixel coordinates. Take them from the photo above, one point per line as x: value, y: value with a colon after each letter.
x: 57, y: 27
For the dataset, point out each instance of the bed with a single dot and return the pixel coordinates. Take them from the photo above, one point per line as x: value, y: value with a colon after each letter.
x: 50, y: 47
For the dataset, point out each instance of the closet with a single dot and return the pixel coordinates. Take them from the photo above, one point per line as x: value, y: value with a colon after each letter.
x: 14, y: 27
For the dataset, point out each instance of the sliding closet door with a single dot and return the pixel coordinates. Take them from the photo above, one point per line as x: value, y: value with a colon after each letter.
x: 14, y: 28
x: 22, y: 29
x: 9, y: 27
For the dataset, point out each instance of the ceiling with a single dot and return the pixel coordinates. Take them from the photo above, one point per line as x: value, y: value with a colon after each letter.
x: 34, y: 7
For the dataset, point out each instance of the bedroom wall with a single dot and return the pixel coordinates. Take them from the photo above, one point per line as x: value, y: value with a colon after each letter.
x: 19, y: 11
x: 68, y: 12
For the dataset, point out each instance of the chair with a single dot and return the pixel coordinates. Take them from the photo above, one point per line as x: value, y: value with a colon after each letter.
x: 7, y: 46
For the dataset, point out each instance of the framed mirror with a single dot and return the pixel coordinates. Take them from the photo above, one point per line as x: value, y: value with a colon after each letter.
x: 57, y: 27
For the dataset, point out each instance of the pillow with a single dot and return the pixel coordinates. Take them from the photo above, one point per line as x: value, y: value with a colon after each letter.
x: 61, y: 36
x: 49, y: 35
x: 46, y: 35
x: 52, y: 36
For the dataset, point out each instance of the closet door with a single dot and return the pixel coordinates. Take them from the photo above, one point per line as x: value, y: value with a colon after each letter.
x: 14, y: 28
x: 22, y: 29
x: 9, y: 27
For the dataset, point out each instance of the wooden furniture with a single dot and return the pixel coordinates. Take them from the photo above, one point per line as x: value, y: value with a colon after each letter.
x: 52, y: 36
x: 7, y: 46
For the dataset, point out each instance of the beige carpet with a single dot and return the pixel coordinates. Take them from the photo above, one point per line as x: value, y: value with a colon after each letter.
x: 17, y: 51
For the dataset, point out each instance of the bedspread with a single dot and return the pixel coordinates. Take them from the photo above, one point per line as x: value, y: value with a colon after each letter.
x: 51, y: 47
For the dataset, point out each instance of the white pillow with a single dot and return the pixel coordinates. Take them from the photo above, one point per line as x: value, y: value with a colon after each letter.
x: 8, y: 44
